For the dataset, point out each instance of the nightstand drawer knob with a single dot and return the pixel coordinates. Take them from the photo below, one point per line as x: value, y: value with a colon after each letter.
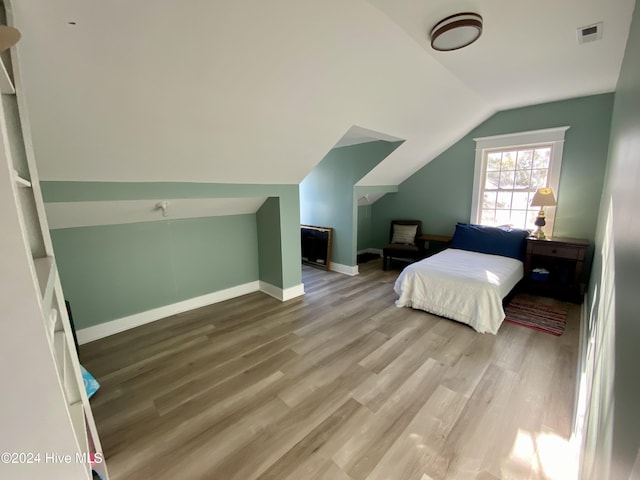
x: 554, y: 251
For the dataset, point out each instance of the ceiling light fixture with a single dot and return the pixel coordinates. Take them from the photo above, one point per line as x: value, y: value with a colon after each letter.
x: 456, y: 31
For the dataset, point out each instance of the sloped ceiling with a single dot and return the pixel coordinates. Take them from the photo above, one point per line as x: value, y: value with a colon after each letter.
x: 248, y: 91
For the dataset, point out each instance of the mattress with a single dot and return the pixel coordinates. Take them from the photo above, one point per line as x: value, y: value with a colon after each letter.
x: 460, y: 285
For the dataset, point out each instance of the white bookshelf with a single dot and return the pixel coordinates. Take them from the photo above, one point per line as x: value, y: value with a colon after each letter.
x: 44, y: 408
x: 6, y: 85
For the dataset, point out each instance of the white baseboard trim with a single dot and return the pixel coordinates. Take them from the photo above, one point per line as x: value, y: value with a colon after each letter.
x: 282, y: 294
x: 583, y: 342
x: 581, y: 395
x: 89, y: 334
x: 346, y: 269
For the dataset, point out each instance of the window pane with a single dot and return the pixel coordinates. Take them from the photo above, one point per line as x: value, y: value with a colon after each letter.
x: 541, y: 157
x: 507, y: 178
x: 512, y: 174
x: 524, y: 159
x: 509, y: 160
x: 488, y: 217
x: 493, y: 161
x: 531, y: 218
x: 519, y: 218
x: 489, y: 200
x: 539, y: 178
x: 504, y: 200
x: 520, y: 200
x: 503, y: 217
x: 523, y: 179
x: 493, y: 180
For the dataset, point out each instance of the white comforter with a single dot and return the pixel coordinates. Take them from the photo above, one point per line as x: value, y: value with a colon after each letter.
x: 465, y: 286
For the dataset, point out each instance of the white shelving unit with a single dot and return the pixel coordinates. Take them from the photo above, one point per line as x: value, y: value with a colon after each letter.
x: 45, y: 415
x: 6, y: 85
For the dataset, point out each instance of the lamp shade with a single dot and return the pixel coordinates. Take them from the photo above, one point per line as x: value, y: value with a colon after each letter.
x: 456, y: 31
x: 543, y: 198
x: 9, y: 36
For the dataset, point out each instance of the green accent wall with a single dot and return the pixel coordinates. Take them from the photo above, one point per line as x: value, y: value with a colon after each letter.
x: 289, y: 203
x: 364, y: 227
x: 59, y: 191
x: 269, y: 244
x: 365, y: 212
x: 154, y: 264
x: 289, y: 208
x: 327, y: 194
x: 110, y: 272
x: 613, y: 426
x: 440, y: 193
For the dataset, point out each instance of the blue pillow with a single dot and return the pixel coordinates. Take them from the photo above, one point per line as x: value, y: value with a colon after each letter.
x: 506, y: 242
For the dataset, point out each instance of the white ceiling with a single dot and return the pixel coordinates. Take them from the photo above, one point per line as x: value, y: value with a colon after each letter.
x: 248, y: 91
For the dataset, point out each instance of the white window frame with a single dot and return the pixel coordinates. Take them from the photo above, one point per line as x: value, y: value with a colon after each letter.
x: 521, y: 140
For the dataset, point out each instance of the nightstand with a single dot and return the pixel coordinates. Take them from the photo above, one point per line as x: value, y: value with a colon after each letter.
x: 564, y: 260
x: 432, y: 244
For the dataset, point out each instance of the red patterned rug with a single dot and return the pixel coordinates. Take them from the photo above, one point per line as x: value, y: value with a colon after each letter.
x: 538, y: 316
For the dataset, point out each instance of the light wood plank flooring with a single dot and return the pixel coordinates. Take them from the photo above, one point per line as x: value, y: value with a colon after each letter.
x: 336, y: 385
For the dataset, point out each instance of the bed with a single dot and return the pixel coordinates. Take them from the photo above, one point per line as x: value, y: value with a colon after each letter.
x: 468, y: 281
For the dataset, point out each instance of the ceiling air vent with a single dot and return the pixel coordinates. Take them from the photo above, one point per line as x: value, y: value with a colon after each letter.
x: 590, y: 33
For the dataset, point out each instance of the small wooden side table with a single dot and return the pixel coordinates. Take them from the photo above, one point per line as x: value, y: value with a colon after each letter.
x: 434, y: 243
x: 564, y: 259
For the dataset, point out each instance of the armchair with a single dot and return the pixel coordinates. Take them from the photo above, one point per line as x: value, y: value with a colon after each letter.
x: 404, y: 243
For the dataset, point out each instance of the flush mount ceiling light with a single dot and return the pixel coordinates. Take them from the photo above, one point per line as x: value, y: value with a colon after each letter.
x: 456, y: 31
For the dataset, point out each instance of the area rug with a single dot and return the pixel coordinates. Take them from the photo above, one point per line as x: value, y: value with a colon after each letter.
x: 530, y: 313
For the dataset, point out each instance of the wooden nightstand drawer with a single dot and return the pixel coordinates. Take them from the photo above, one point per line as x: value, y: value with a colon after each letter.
x: 554, y: 267
x: 558, y: 251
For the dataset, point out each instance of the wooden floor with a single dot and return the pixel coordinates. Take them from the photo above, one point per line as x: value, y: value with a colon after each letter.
x: 338, y: 384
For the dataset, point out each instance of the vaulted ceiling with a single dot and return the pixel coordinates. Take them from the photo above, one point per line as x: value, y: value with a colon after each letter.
x: 249, y: 91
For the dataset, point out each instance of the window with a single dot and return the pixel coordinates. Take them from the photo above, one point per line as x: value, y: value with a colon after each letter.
x: 509, y: 169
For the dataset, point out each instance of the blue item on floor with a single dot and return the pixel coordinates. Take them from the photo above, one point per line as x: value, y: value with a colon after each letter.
x: 91, y: 385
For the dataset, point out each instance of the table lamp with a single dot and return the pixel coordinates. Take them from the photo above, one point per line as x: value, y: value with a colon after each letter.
x: 542, y: 198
